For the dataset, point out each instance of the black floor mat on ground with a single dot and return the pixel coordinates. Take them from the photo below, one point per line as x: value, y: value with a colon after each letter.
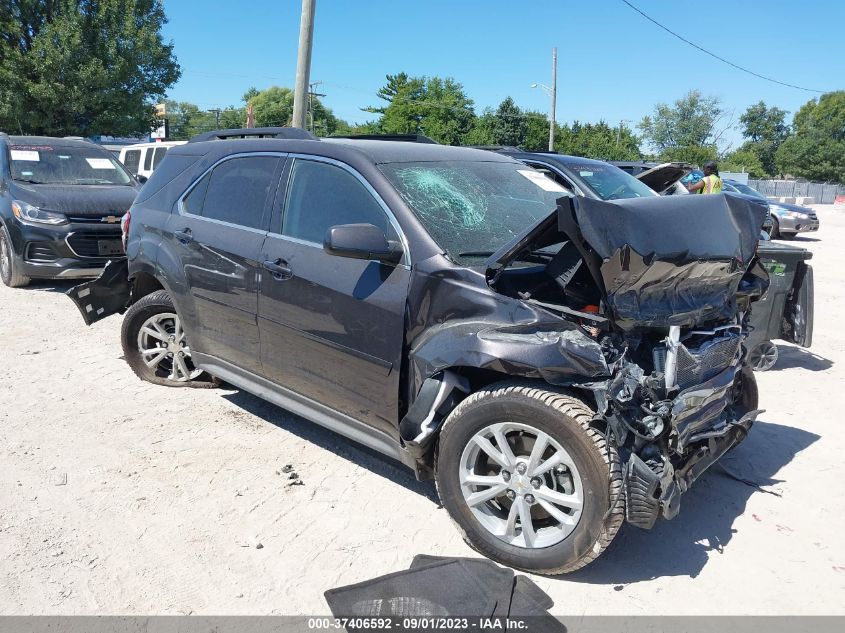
x: 457, y: 587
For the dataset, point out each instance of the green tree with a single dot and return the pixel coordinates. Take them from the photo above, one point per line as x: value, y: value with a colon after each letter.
x: 816, y: 150
x: 481, y: 132
x: 743, y: 160
x: 598, y: 140
x: 433, y: 106
x: 274, y: 107
x: 765, y: 128
x: 82, y: 66
x: 509, y: 125
x: 677, y: 132
x: 537, y: 131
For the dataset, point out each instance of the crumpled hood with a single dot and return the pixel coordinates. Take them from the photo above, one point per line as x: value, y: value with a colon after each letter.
x: 78, y: 200
x: 658, y: 261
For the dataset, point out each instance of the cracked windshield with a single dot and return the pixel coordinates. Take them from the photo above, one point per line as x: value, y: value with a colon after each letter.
x: 473, y: 208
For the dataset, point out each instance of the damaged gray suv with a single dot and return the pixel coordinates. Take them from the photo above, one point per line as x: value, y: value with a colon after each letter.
x: 559, y: 365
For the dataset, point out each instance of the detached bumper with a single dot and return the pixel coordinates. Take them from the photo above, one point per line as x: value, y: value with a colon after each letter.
x: 108, y: 294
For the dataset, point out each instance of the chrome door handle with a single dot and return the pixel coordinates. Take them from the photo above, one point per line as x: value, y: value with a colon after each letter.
x: 184, y: 236
x: 279, y: 269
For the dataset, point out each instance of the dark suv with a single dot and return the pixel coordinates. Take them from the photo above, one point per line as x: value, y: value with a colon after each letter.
x: 558, y: 364
x: 61, y: 201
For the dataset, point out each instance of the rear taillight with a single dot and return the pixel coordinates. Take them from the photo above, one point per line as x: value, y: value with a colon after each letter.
x: 124, y: 228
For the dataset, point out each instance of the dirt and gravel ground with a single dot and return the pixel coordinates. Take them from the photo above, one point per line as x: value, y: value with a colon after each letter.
x: 119, y: 497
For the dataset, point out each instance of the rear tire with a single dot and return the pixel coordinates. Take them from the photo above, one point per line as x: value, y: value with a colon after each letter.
x: 155, y: 347
x: 561, y: 538
x: 9, y: 268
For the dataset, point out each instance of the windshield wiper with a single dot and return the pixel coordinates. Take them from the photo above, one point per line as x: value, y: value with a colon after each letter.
x: 475, y: 253
x: 31, y: 182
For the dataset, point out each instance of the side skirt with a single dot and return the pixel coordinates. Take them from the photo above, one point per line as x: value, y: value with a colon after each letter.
x: 305, y: 407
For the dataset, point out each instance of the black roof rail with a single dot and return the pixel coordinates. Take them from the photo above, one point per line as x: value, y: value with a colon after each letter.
x: 498, y: 148
x: 256, y: 132
x: 407, y: 138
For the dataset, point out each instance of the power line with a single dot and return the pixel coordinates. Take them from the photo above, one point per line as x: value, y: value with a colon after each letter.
x: 721, y: 59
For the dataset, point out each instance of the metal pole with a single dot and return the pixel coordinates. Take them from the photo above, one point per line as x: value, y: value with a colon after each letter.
x: 554, y: 99
x: 303, y: 63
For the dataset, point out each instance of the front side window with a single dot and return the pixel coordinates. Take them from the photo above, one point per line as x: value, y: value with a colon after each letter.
x: 66, y: 165
x: 321, y: 195
x: 235, y: 191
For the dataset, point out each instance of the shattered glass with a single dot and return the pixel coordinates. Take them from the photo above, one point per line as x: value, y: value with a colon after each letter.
x: 471, y: 207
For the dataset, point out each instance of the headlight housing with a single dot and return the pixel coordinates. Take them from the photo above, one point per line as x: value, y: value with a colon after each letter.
x: 26, y: 212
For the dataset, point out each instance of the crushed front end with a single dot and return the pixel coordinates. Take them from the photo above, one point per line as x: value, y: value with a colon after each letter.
x: 674, y: 406
x: 673, y: 282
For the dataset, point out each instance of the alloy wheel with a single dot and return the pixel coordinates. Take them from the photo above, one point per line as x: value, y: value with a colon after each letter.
x: 763, y: 357
x: 164, y: 349
x: 521, y: 485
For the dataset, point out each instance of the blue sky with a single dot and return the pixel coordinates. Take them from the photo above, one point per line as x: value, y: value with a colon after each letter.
x: 613, y: 64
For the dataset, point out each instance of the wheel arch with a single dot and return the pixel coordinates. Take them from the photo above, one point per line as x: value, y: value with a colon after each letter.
x: 145, y: 283
x: 460, y: 382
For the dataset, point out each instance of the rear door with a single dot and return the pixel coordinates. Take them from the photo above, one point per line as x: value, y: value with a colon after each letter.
x: 331, y: 327
x: 217, y: 236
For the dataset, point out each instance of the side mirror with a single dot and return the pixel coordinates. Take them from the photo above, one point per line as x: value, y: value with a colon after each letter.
x: 361, y: 241
x: 141, y: 179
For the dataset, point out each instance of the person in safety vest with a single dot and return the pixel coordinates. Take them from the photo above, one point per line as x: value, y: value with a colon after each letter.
x: 711, y: 183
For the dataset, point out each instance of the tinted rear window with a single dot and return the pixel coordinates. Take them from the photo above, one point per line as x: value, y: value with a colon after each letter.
x: 237, y: 189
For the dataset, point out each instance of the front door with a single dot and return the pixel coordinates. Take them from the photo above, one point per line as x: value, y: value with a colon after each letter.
x: 332, y: 328
x: 217, y: 236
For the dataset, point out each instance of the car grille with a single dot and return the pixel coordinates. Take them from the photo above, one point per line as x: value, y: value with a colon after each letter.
x: 696, y: 366
x: 87, y: 244
x: 700, y: 364
x: 98, y: 218
x: 41, y: 252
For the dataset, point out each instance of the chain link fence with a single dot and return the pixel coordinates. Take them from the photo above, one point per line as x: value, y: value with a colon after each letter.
x: 821, y: 192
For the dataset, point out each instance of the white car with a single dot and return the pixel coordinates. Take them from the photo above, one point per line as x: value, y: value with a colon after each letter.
x: 142, y: 159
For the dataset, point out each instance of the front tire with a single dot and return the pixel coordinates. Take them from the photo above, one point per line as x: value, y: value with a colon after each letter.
x: 155, y: 347
x: 528, y: 481
x: 9, y: 268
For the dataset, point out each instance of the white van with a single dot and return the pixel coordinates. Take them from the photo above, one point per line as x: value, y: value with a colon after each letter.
x: 141, y: 159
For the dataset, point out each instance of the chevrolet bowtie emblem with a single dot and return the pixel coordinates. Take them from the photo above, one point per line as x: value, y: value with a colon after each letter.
x: 111, y: 219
